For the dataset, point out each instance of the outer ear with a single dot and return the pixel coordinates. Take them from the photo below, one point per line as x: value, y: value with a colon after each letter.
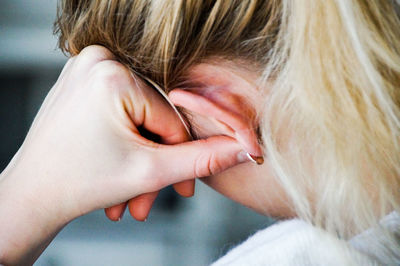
x: 235, y: 123
x: 226, y: 93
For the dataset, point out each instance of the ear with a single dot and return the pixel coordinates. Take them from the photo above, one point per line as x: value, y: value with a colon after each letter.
x: 225, y: 98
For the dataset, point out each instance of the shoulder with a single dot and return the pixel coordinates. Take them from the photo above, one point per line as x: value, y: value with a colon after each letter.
x: 293, y: 242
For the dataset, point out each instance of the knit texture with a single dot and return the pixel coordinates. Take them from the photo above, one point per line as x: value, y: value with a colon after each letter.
x: 295, y: 242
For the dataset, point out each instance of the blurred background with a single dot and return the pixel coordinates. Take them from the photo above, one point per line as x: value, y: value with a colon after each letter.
x: 178, y: 231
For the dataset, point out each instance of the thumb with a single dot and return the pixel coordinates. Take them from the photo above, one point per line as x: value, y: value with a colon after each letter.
x: 198, y: 158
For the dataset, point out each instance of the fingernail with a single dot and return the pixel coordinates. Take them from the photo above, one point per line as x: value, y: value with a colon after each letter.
x: 255, y: 159
x: 122, y: 215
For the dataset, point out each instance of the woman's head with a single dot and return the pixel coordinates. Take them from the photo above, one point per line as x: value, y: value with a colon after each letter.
x: 318, y: 80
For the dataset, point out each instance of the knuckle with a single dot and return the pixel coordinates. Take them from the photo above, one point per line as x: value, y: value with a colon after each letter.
x: 207, y: 165
x: 96, y: 53
x: 214, y: 165
x: 108, y: 73
x: 90, y: 56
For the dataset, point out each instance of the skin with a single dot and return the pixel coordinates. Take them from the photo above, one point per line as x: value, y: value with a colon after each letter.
x: 84, y: 152
x: 233, y: 101
x: 222, y: 98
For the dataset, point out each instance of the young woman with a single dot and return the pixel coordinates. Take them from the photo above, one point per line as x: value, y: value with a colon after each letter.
x: 313, y: 86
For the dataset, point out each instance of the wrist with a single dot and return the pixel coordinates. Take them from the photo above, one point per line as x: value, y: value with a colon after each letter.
x: 30, y: 218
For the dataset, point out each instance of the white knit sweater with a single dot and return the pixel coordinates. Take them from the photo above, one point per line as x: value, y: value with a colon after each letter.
x: 295, y: 242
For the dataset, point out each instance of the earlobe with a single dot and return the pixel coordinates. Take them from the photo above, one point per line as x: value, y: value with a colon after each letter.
x: 236, y: 125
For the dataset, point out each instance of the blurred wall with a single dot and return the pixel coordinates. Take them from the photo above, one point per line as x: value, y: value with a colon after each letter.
x: 179, y: 231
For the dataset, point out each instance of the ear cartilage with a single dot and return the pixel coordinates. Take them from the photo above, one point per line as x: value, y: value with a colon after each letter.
x: 255, y: 159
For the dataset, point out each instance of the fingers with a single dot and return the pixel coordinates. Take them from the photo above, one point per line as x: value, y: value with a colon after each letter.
x: 159, y: 117
x: 185, y: 188
x: 115, y: 213
x: 140, y: 206
x: 194, y: 159
x: 161, y: 120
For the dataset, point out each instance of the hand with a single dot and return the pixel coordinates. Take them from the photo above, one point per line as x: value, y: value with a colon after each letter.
x: 140, y: 206
x: 84, y: 152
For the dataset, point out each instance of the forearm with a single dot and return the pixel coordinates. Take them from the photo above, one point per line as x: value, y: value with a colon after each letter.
x: 28, y: 220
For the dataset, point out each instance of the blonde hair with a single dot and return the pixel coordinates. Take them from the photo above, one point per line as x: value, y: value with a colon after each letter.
x: 331, y: 118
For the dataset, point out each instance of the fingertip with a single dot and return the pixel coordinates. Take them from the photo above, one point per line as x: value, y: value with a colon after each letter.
x: 185, y: 189
x: 137, y: 212
x: 186, y: 194
x: 140, y: 206
x: 116, y: 212
x: 255, y: 159
x: 109, y: 215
